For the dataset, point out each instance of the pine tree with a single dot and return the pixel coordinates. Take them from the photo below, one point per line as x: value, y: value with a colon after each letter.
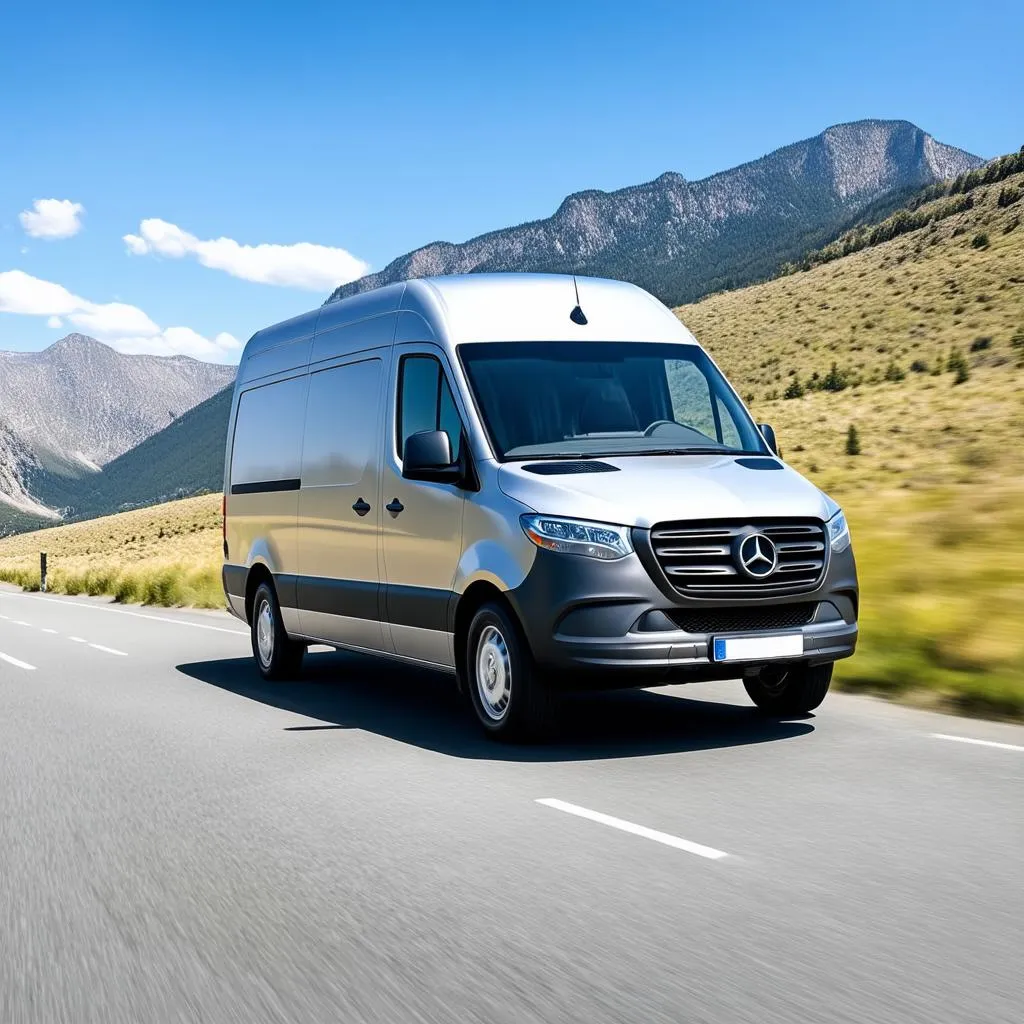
x: 795, y: 389
x: 835, y: 379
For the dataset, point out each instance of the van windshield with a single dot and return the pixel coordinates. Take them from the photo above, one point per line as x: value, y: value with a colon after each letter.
x: 570, y: 398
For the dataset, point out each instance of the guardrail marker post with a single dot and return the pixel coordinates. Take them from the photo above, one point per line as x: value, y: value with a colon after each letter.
x: 42, y: 571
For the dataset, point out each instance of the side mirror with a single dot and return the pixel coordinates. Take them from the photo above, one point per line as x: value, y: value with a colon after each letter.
x: 428, y: 456
x: 768, y: 433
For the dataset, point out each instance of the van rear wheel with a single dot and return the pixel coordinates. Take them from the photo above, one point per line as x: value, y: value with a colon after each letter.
x: 276, y: 654
x: 509, y: 697
x: 793, y: 691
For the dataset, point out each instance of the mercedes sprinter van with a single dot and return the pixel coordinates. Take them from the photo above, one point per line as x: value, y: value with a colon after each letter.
x: 532, y: 482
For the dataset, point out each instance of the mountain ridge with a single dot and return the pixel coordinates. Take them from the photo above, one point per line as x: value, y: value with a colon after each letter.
x: 79, y: 395
x: 70, y: 408
x: 748, y: 219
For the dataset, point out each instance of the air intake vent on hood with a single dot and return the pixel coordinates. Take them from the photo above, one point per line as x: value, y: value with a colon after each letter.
x: 564, y: 468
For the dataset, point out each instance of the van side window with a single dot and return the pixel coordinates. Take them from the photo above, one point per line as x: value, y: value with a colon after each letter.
x: 342, y: 424
x: 425, y: 402
x: 266, y: 452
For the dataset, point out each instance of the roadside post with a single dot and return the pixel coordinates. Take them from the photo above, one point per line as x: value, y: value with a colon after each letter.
x: 42, y: 571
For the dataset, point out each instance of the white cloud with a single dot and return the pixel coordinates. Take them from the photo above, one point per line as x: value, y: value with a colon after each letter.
x: 304, y: 265
x: 124, y: 327
x: 52, y: 218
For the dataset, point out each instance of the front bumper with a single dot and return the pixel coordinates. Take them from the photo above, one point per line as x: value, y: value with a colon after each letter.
x: 610, y: 623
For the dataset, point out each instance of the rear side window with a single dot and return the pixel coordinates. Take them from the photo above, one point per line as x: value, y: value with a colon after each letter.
x: 425, y: 402
x: 267, y: 446
x: 342, y: 418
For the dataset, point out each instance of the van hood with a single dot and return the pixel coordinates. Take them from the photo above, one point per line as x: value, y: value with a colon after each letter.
x: 649, y: 489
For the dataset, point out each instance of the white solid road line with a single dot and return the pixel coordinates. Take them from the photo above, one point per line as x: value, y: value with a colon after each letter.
x: 120, y: 611
x: 980, y: 743
x: 16, y: 663
x: 108, y: 650
x: 638, y: 830
x: 78, y: 639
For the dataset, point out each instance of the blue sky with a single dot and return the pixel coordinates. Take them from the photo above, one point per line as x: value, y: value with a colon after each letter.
x: 374, y: 129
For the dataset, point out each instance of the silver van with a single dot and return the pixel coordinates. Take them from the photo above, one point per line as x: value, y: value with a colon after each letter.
x: 532, y: 482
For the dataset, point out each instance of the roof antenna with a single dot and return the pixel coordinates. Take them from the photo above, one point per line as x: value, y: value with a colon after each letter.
x: 577, y: 316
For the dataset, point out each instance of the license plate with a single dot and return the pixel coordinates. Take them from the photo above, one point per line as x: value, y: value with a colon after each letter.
x: 756, y: 648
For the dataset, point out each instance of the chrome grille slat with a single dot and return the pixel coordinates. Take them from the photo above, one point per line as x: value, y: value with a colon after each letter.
x: 698, y: 558
x: 701, y: 570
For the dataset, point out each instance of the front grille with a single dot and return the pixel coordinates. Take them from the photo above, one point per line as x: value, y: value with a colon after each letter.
x: 700, y: 558
x: 741, y: 620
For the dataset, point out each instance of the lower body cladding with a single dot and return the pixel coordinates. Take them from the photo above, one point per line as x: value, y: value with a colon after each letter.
x: 593, y: 623
x: 609, y: 623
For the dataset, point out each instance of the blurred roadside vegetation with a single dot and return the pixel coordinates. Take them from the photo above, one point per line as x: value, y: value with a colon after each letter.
x: 894, y: 376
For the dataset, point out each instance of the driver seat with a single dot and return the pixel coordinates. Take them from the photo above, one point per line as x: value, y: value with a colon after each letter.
x: 606, y: 410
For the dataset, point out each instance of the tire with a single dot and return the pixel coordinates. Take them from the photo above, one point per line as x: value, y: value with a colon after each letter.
x: 800, y: 689
x: 277, y: 656
x: 509, y: 697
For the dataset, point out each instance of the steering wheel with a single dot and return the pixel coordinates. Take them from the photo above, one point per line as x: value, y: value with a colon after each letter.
x: 652, y: 428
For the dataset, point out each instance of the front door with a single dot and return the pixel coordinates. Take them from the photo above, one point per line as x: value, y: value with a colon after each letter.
x: 339, y: 582
x: 421, y: 523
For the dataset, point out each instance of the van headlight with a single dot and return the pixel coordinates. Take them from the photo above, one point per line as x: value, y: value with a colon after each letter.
x: 578, y: 537
x: 838, y: 532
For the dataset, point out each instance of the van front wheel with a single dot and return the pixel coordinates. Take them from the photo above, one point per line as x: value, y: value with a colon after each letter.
x: 277, y: 656
x: 508, y: 696
x: 793, y: 691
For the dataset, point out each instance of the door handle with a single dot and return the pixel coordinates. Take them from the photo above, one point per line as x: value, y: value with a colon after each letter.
x: 360, y: 507
x: 394, y: 507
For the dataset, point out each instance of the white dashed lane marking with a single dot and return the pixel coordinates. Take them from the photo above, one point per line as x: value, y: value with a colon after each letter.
x: 54, y: 632
x: 978, y: 743
x: 16, y: 663
x: 637, y: 830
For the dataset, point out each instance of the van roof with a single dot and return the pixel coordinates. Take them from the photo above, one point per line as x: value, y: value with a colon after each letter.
x: 496, y: 307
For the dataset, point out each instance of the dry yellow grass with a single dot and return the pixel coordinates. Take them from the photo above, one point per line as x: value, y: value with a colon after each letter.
x: 167, y: 554
x: 936, y: 498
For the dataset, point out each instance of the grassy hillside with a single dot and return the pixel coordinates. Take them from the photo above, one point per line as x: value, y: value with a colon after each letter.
x: 166, y: 554
x: 936, y: 495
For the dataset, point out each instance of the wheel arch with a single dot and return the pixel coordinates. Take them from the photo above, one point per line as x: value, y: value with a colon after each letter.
x: 474, y: 597
x: 258, y: 573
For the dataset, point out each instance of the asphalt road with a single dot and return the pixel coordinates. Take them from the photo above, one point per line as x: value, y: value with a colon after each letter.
x: 180, y: 841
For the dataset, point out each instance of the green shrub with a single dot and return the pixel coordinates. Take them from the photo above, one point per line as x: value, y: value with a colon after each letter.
x: 919, y: 366
x: 980, y: 241
x: 794, y: 390
x: 1009, y: 195
x: 835, y: 379
x: 957, y: 365
x: 893, y: 373
x: 852, y: 441
x: 980, y: 344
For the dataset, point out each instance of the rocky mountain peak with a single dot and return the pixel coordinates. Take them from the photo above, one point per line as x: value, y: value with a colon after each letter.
x: 682, y: 239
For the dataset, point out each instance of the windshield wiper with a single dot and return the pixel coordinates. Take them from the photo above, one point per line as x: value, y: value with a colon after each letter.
x: 689, y: 450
